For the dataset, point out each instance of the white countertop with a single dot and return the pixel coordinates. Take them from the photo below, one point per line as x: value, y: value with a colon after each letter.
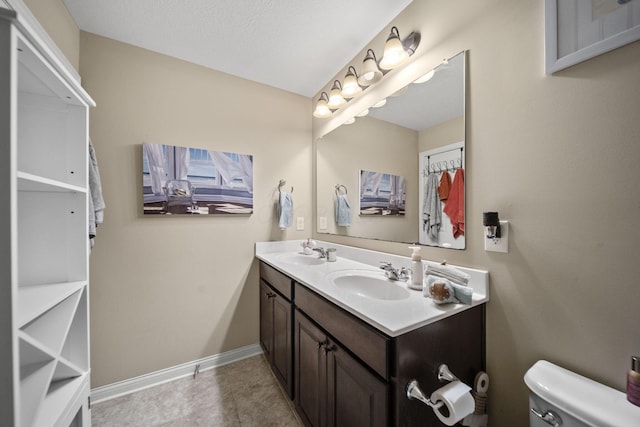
x: 392, y: 317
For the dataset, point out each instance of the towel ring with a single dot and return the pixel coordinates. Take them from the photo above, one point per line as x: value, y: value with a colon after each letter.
x: 338, y: 187
x: 281, y: 184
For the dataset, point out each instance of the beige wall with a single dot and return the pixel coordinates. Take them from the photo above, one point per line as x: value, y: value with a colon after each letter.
x: 168, y: 290
x: 555, y: 155
x: 443, y: 134
x: 58, y: 23
x: 365, y: 145
x: 558, y: 157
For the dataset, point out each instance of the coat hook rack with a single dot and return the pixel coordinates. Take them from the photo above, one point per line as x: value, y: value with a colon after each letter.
x: 281, y: 184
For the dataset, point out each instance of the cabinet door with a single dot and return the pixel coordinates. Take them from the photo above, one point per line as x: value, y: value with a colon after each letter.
x: 310, y: 371
x: 356, y: 397
x: 281, y: 349
x: 266, y: 320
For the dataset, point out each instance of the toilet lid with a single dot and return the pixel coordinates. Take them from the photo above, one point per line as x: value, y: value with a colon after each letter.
x: 588, y: 401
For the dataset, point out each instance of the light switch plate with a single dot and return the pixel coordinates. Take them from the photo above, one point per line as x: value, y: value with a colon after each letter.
x: 322, y: 223
x: 300, y: 223
x: 497, y: 245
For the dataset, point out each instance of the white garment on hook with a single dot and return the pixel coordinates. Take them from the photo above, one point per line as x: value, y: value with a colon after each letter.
x: 343, y: 211
x: 96, y: 201
x: 431, y: 211
x: 285, y: 210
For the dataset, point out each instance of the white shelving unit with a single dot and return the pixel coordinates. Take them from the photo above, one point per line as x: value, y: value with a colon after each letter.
x: 44, y: 295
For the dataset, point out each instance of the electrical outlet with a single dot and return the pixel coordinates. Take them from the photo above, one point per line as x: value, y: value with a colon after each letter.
x: 322, y: 223
x: 300, y: 223
x: 498, y: 245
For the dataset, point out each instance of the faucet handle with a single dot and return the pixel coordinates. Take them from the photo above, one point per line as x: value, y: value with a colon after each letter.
x: 385, y: 265
x: 321, y: 251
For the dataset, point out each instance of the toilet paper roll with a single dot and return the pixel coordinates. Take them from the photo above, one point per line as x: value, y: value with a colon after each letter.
x: 481, y: 382
x: 457, y: 399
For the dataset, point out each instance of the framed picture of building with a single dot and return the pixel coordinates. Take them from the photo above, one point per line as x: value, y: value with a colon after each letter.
x: 195, y: 181
x: 382, y: 194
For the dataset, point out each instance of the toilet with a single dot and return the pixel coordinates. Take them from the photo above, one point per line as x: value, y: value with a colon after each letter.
x: 562, y: 398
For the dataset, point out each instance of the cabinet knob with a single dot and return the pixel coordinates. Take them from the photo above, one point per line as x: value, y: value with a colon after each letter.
x: 271, y: 295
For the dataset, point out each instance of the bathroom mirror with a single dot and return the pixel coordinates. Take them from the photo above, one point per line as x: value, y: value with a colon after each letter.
x: 420, y: 129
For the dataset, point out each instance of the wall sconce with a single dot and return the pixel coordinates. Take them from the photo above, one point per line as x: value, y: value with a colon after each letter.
x: 322, y: 110
x: 350, y: 87
x: 396, y: 51
x: 370, y: 73
x: 336, y: 100
x: 496, y: 233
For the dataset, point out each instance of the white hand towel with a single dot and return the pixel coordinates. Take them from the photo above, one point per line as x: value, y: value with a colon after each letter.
x: 96, y: 201
x: 343, y: 211
x: 285, y: 210
x: 431, y: 210
x: 447, y: 272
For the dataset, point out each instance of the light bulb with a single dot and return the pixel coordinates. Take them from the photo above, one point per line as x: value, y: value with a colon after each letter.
x: 350, y: 87
x: 370, y: 72
x: 336, y: 100
x: 394, y: 53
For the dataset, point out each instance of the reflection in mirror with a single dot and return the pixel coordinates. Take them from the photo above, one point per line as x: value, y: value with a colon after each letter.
x: 412, y: 132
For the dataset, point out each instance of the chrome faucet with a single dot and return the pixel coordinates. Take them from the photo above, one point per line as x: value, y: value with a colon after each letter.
x: 321, y: 251
x: 393, y: 273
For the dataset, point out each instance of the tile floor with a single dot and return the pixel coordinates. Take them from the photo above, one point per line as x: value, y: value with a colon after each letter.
x: 241, y: 394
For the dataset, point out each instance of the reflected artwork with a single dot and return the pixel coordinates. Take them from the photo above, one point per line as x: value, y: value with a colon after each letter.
x: 382, y: 194
x: 194, y: 181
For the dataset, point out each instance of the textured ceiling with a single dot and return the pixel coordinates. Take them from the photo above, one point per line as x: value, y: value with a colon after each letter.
x: 295, y: 45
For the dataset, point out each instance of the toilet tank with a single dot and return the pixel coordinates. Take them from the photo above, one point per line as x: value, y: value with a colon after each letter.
x: 578, y: 401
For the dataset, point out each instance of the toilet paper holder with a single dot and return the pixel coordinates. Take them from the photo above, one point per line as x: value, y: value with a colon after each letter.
x: 414, y: 392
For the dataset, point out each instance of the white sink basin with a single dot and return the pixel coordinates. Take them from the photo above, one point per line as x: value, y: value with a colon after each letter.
x: 369, y: 284
x: 301, y: 259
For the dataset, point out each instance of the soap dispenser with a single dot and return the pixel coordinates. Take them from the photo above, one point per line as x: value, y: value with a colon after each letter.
x: 416, y: 269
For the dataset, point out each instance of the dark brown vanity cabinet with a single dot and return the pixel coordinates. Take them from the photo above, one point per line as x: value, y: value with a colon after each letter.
x: 276, y: 318
x: 332, y: 388
x: 345, y: 373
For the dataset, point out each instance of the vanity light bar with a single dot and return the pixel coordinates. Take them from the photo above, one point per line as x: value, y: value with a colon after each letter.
x: 396, y: 53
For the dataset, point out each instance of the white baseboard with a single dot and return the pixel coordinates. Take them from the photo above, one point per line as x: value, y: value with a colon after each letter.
x: 121, y: 388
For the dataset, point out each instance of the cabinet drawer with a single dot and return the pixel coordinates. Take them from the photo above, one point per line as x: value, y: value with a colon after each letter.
x: 277, y: 280
x: 369, y: 345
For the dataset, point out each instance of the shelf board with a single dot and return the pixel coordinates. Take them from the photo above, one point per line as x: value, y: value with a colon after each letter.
x: 76, y: 345
x: 34, y: 300
x: 64, y: 371
x: 59, y: 396
x: 31, y: 182
x: 51, y: 327
x: 33, y: 385
x: 42, y: 78
x: 36, y: 369
x: 33, y: 353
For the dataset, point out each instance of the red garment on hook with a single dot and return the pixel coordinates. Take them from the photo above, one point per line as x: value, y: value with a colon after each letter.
x: 455, y: 204
x: 445, y: 186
